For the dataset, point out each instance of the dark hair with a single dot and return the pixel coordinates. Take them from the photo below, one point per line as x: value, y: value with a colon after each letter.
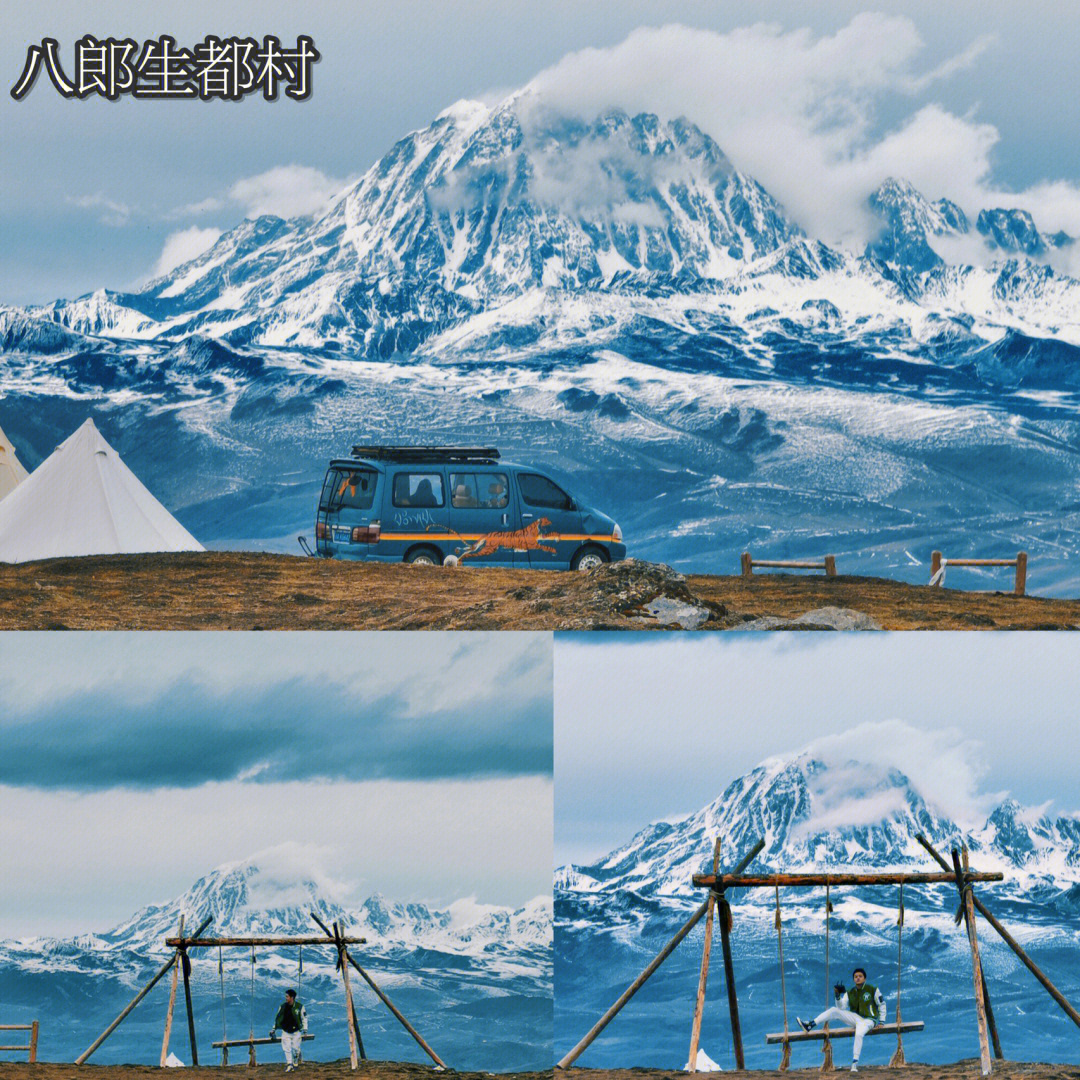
x: 292, y: 993
x: 856, y: 972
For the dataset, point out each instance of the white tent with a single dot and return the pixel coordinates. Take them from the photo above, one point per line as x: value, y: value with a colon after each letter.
x: 11, y: 471
x: 83, y: 500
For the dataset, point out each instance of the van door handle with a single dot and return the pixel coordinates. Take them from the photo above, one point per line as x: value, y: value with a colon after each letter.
x: 506, y: 519
x: 526, y: 517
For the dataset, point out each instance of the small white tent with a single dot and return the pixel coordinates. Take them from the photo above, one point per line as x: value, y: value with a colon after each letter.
x: 83, y: 500
x: 11, y: 471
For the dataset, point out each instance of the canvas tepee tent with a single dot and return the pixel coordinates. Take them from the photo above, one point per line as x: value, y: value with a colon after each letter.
x: 83, y: 500
x: 11, y: 471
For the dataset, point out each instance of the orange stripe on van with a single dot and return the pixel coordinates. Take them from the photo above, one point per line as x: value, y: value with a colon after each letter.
x: 433, y: 537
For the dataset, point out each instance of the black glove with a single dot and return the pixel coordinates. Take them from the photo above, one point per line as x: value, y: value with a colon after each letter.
x: 273, y: 1032
x: 840, y: 989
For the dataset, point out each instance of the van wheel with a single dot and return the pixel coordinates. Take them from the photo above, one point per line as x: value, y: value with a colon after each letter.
x: 424, y: 556
x: 589, y: 558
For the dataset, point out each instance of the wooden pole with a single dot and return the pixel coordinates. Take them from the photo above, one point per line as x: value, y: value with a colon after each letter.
x: 349, y: 1015
x: 1013, y: 944
x: 699, y: 1005
x: 386, y: 1001
x: 172, y: 1004
x: 719, y: 882
x: 640, y: 981
x: 729, y: 978
x: 935, y: 563
x: 747, y: 564
x: 33, y: 1041
x: 185, y: 970
x: 1021, y: 572
x: 162, y: 971
x: 976, y: 964
x: 830, y: 566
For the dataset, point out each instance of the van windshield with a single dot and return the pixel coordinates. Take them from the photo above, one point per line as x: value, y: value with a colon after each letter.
x: 348, y: 489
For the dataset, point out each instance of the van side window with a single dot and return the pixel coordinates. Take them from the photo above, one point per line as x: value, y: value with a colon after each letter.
x: 419, y: 489
x: 485, y: 490
x: 540, y: 491
x: 352, y: 489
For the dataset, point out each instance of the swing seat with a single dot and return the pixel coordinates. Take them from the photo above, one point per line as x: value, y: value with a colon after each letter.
x: 842, y: 1032
x: 263, y: 1040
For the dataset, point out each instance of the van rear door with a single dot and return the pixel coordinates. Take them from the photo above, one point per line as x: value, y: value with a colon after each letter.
x: 483, y: 514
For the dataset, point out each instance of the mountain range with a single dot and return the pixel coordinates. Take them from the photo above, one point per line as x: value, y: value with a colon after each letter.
x: 616, y: 300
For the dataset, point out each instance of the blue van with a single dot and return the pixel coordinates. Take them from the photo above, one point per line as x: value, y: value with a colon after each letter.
x: 422, y: 504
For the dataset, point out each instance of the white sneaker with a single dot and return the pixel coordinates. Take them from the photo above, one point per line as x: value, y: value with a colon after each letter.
x: 854, y: 1066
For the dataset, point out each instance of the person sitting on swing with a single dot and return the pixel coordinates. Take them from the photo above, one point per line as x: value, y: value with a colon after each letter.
x: 292, y: 1020
x: 862, y: 1007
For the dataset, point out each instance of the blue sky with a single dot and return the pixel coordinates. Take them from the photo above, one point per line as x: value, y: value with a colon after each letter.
x: 416, y: 765
x: 978, y: 98
x: 656, y: 727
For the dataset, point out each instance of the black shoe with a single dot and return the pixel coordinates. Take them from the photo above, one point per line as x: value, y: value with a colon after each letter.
x: 806, y: 1025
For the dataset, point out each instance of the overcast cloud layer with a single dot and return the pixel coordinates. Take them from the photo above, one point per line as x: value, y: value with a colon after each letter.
x: 151, y: 711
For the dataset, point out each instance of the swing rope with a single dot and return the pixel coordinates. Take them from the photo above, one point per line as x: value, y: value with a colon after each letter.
x: 785, y: 1061
x: 826, y: 1044
x: 898, y: 1055
x: 224, y: 1030
x: 251, y: 1028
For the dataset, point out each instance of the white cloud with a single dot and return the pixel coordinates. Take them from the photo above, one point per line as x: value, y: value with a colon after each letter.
x: 116, y: 214
x: 183, y: 245
x: 945, y: 766
x: 286, y: 191
x: 801, y: 114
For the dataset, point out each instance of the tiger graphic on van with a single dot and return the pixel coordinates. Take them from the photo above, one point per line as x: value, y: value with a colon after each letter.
x: 529, y: 538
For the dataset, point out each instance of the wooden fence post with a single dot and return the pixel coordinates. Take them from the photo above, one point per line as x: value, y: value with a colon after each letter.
x: 1021, y: 572
x: 33, y: 1041
x: 747, y: 564
x: 935, y: 563
x: 830, y: 566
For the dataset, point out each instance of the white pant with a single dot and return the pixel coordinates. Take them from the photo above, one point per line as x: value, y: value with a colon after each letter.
x: 861, y: 1024
x: 291, y: 1044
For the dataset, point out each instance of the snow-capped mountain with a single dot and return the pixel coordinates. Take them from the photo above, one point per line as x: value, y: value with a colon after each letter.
x: 487, y: 206
x: 852, y: 815
x: 616, y: 301
x: 246, y: 900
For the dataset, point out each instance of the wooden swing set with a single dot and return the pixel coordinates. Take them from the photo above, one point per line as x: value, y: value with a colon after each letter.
x: 959, y: 874
x: 180, y: 963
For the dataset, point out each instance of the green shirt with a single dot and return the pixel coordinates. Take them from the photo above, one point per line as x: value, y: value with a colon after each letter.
x: 864, y: 1001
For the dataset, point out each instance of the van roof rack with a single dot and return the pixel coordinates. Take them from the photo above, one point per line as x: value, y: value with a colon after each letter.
x: 458, y: 454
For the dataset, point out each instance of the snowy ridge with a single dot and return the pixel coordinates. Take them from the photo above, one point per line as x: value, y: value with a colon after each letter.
x: 245, y: 900
x: 854, y: 815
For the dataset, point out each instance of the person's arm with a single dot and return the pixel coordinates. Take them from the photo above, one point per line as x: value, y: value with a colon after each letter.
x: 840, y: 990
x: 882, y: 1009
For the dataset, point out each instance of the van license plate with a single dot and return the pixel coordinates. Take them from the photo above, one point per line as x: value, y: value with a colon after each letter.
x: 341, y: 536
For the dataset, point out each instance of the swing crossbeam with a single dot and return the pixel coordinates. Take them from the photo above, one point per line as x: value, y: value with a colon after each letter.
x: 821, y: 1034
x: 719, y: 882
x: 262, y: 1040
x: 213, y: 943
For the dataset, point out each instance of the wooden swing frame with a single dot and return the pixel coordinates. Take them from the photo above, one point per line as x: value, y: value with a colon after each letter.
x: 959, y: 874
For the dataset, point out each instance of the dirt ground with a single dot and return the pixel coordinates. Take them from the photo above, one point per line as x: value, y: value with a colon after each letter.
x: 1003, y: 1070
x: 313, y: 1070
x: 250, y: 591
